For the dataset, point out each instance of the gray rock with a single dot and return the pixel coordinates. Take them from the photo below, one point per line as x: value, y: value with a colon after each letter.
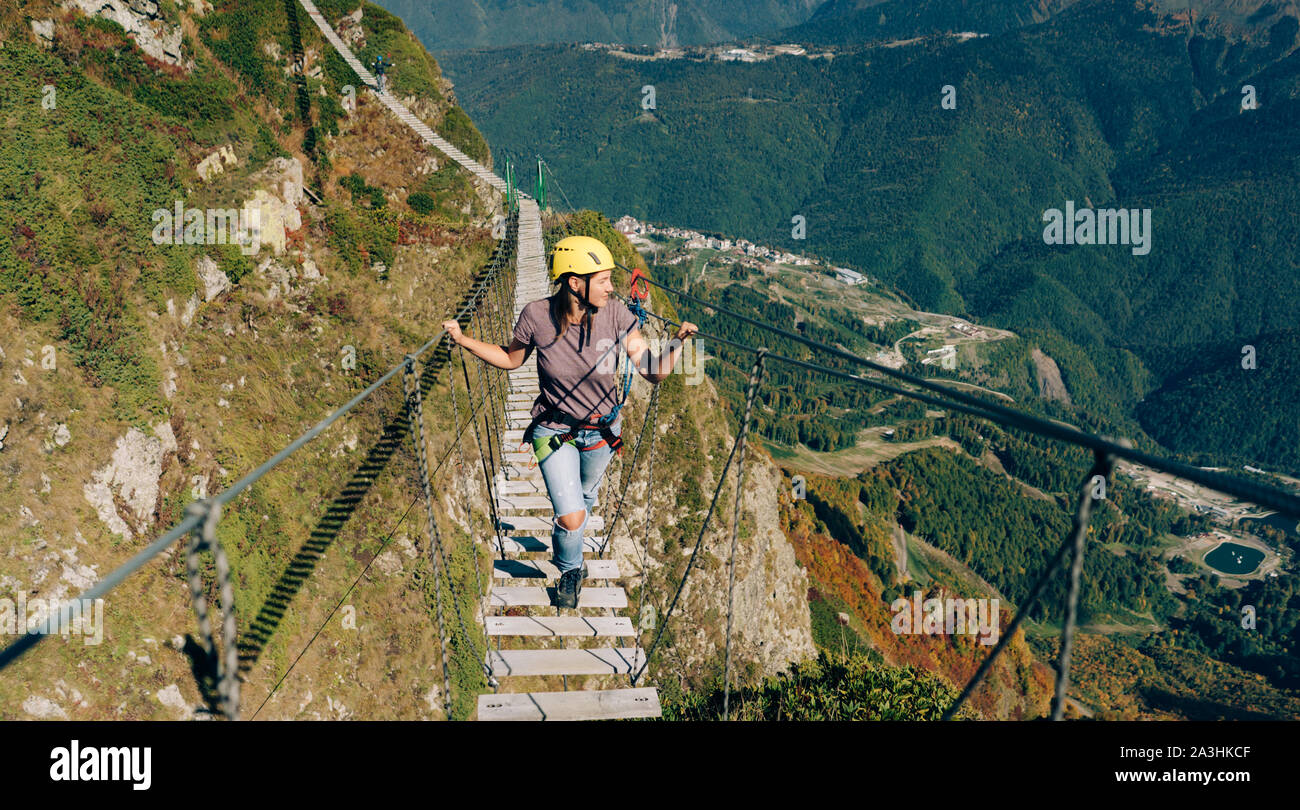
x: 210, y: 276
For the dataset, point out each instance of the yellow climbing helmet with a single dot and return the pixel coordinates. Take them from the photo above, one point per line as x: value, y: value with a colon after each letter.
x: 580, y: 255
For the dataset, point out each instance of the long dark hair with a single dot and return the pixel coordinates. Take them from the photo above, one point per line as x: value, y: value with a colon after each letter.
x: 561, y: 304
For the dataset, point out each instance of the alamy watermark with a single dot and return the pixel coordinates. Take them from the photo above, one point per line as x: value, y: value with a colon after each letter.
x: 948, y: 616
x: 1105, y: 226
x: 77, y: 763
x: 689, y: 363
x: 209, y: 226
x: 83, y: 616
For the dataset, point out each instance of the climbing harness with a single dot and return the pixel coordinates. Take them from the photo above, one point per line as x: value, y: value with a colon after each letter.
x: 543, y: 446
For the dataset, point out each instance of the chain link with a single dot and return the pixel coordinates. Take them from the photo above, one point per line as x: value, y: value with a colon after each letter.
x: 1078, y: 539
x: 469, y: 519
x: 225, y: 666
x: 415, y: 411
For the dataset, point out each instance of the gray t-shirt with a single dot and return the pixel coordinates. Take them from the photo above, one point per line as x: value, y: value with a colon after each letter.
x: 582, y: 384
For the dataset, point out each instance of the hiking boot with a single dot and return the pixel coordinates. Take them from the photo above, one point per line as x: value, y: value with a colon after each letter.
x: 577, y: 587
x: 569, y: 586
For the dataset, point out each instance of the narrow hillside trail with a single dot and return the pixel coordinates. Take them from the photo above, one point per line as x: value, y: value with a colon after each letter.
x: 522, y: 542
x: 399, y: 109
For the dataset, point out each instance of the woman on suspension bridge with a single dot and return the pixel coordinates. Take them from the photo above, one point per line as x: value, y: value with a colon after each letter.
x: 575, y: 428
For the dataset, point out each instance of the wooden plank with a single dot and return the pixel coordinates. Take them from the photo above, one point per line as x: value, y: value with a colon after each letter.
x: 521, y: 543
x: 584, y: 704
x: 521, y: 472
x: 518, y: 503
x: 527, y: 487
x: 542, y: 525
x: 517, y: 474
x: 532, y: 595
x: 615, y: 626
x: 593, y: 661
x: 545, y: 569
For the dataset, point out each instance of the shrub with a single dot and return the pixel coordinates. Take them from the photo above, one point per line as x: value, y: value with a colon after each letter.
x: 421, y: 203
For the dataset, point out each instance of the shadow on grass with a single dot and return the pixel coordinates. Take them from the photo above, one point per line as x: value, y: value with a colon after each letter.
x: 258, y: 634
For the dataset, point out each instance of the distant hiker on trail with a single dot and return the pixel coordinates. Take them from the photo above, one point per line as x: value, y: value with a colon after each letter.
x: 381, y: 64
x: 576, y: 427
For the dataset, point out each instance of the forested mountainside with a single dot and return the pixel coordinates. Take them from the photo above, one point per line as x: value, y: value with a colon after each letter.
x: 1108, y: 105
x: 448, y: 25
x: 848, y: 22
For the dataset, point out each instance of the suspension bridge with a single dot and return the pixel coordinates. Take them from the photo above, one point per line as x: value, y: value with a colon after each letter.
x: 517, y: 530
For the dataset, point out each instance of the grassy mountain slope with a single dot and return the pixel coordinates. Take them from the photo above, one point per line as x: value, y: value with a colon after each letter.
x: 127, y: 366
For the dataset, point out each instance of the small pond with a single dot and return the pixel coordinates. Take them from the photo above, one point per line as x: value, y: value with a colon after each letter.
x: 1233, y: 558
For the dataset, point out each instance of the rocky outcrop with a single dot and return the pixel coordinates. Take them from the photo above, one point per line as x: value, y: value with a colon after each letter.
x: 216, y: 163
x: 277, y: 211
x: 771, y: 624
x: 210, y: 276
x: 142, y: 21
x: 44, y: 31
x: 131, y: 475
x: 350, y: 31
x: 1048, y: 373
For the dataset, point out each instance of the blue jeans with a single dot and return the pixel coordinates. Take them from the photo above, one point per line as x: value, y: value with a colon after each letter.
x: 572, y: 475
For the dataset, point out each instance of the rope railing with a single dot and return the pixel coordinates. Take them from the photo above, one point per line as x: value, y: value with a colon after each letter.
x: 754, y: 381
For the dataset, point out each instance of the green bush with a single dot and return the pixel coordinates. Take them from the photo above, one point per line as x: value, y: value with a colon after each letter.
x: 832, y: 687
x: 421, y: 203
x: 460, y: 131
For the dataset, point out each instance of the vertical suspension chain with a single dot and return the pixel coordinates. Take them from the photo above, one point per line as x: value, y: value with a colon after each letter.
x: 1101, y: 469
x: 755, y: 380
x: 204, y: 535
x: 415, y: 412
x: 469, y: 512
x: 699, y: 540
x: 487, y: 476
x: 445, y: 555
x: 494, y: 331
x: 649, y: 511
x: 491, y: 421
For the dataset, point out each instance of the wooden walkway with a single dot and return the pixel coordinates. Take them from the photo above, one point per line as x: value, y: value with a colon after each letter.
x: 430, y: 137
x: 525, y: 537
x: 524, y: 583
